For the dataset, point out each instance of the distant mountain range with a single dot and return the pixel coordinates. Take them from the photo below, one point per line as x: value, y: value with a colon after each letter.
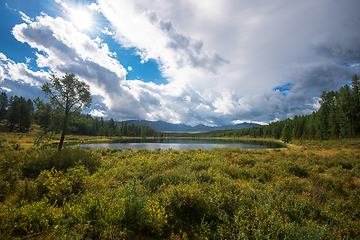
x: 161, y: 126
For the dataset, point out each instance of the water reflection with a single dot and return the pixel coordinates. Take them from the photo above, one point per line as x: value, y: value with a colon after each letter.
x: 183, y: 144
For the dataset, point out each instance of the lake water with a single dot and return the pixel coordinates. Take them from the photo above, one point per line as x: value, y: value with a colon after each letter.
x: 182, y: 144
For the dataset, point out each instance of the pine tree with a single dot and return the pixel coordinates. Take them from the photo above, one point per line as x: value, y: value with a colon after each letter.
x: 345, y: 118
x: 3, y: 105
x: 286, y: 133
x: 13, y: 115
x: 43, y: 114
x: 355, y: 105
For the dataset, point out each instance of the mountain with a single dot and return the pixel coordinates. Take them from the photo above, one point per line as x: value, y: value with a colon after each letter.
x: 161, y: 126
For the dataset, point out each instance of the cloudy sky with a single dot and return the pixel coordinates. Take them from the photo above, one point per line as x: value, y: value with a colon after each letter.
x: 211, y: 62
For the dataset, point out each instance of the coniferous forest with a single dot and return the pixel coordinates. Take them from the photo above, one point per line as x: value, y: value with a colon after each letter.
x: 337, y: 118
x: 20, y: 113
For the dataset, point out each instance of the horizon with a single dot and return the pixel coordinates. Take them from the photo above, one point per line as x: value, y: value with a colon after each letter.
x: 215, y: 62
x: 187, y: 124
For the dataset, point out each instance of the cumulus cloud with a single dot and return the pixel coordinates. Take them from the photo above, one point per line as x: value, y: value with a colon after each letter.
x: 265, y: 46
x: 312, y: 79
x: 226, y: 61
x: 20, y: 73
x: 347, y: 54
x: 158, y: 39
x: 67, y: 50
x: 18, y: 79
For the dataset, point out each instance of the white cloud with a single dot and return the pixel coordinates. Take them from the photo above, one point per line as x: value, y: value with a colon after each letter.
x: 225, y: 103
x: 7, y: 6
x: 64, y: 5
x: 107, y: 31
x: 268, y: 45
x: 5, y: 89
x: 94, y: 7
x: 223, y: 58
x: 26, y: 18
x: 159, y: 39
x: 63, y: 44
x: 19, y: 72
x: 28, y: 60
x: 248, y: 121
x: 97, y: 113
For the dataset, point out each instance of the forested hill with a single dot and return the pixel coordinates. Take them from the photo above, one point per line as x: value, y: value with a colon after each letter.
x: 338, y: 117
x: 161, y: 126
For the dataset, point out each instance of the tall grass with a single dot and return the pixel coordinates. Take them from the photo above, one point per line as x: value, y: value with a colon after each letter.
x: 308, y: 192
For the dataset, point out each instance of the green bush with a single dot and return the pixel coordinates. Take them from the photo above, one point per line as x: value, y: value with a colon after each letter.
x: 186, y: 205
x: 27, y: 219
x: 298, y: 171
x: 4, y: 189
x: 60, y: 160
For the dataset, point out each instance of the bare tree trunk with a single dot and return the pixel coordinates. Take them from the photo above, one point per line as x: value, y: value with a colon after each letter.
x: 63, y: 131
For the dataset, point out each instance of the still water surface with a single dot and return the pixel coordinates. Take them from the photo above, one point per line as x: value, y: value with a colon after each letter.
x: 183, y: 144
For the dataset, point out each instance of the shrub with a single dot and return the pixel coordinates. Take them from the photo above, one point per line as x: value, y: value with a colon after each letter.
x: 298, y: 171
x: 28, y: 219
x: 186, y: 205
x: 60, y: 160
x: 54, y: 185
x: 4, y: 189
x: 171, y: 177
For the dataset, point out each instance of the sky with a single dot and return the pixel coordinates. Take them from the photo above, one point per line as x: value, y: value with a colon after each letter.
x: 212, y: 62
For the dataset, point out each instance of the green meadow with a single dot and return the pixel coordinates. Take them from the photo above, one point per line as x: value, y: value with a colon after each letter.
x: 310, y: 190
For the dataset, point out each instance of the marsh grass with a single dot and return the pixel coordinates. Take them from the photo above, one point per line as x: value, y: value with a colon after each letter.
x: 36, y: 138
x: 310, y: 191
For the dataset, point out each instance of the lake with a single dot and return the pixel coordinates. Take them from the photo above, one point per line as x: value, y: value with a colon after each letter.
x: 183, y: 144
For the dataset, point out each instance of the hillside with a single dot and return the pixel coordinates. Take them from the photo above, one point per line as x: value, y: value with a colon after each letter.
x: 161, y: 126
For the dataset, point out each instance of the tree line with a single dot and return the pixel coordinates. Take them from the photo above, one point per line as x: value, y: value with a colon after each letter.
x: 337, y: 118
x: 19, y: 113
x: 67, y: 98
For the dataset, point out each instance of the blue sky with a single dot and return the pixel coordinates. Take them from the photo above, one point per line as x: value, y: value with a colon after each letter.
x: 211, y: 62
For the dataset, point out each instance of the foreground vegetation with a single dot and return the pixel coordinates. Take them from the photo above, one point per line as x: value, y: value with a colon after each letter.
x: 311, y: 191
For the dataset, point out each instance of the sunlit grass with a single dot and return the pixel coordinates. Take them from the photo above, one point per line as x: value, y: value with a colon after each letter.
x: 27, y: 140
x: 310, y: 191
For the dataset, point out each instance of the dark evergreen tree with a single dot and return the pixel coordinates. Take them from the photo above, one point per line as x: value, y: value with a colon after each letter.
x: 19, y: 114
x: 117, y: 131
x: 3, y: 105
x: 111, y: 127
x: 345, y: 120
x: 286, y: 132
x: 355, y: 105
x: 25, y: 115
x: 13, y: 115
x: 43, y: 114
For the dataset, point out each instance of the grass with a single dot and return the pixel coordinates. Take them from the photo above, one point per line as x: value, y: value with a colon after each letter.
x: 27, y: 140
x: 310, y: 191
